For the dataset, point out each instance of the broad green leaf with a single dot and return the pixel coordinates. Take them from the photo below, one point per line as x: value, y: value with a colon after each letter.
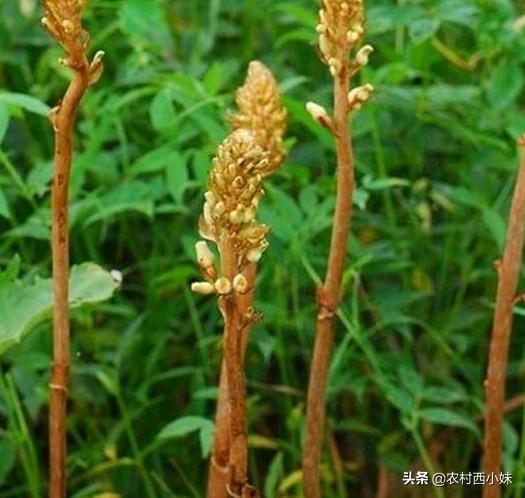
x: 383, y: 18
x: 505, y: 85
x: 361, y: 197
x: 144, y: 21
x: 7, y: 458
x: 177, y: 176
x: 423, y: 29
x: 410, y: 379
x: 445, y: 95
x: 443, y: 416
x: 152, y: 161
x: 286, y: 207
x: 26, y: 102
x: 274, y: 474
x: 33, y: 301
x: 442, y: 395
x: 161, y: 111
x: 4, y: 207
x: 184, y: 426
x: 214, y: 78
x: 296, y: 35
x: 399, y: 397
x: 206, y: 439
x: 201, y: 165
x: 371, y: 183
x: 496, y: 224
x: 4, y: 121
x: 462, y: 12
x: 300, y: 14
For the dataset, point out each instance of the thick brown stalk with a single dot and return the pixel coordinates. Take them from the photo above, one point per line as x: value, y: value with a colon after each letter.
x: 328, y: 293
x: 235, y: 380
x: 218, y: 471
x: 63, y: 118
x: 508, y: 277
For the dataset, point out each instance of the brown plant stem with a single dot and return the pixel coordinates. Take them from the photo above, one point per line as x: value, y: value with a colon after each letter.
x: 234, y: 342
x: 328, y: 293
x: 508, y: 277
x: 218, y: 470
x: 62, y: 118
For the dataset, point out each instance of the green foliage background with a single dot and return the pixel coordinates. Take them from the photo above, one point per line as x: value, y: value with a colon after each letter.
x: 436, y: 162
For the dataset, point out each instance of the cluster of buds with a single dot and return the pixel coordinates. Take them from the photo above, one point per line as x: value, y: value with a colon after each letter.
x: 340, y: 28
x: 62, y: 21
x: 262, y: 112
x: 253, y: 151
x: 212, y: 284
x: 234, y: 192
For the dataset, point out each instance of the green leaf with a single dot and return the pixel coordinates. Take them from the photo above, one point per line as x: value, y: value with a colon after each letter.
x: 162, y: 111
x: 177, y: 176
x: 4, y: 121
x: 383, y: 18
x: 200, y: 166
x: 459, y: 12
x: 443, y: 416
x: 144, y: 21
x: 300, y: 14
x: 206, y: 439
x: 274, y: 475
x: 371, y: 183
x: 26, y: 102
x: 4, y: 207
x: 135, y: 196
x: 505, y: 85
x: 7, y: 458
x: 186, y: 425
x: 496, y: 224
x: 410, y: 379
x: 423, y: 29
x: 400, y: 398
x: 443, y: 395
x: 89, y: 284
x: 152, y: 161
x: 214, y: 78
x: 183, y: 426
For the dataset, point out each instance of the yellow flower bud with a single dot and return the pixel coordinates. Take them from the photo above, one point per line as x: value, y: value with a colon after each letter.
x: 240, y: 284
x: 205, y: 257
x: 204, y: 288
x: 223, y: 286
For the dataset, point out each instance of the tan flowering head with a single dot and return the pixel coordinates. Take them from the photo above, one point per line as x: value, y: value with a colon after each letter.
x: 262, y: 112
x: 234, y: 191
x: 253, y: 151
x: 341, y: 32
